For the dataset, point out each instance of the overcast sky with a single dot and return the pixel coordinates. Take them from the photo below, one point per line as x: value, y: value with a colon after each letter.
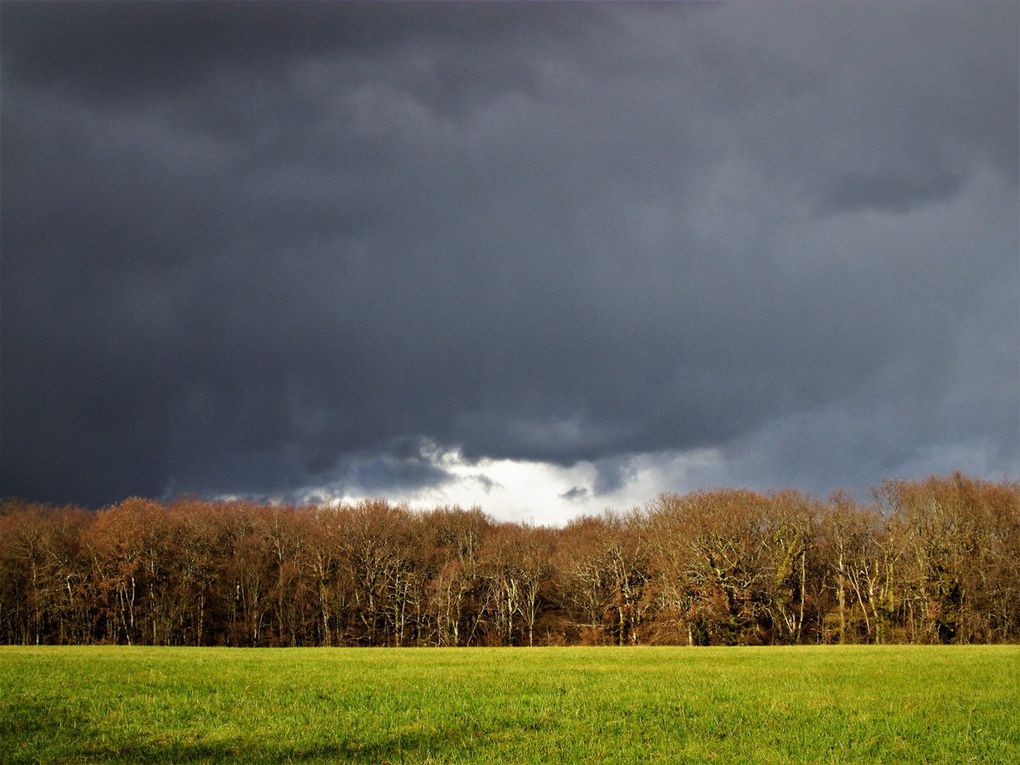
x: 544, y: 259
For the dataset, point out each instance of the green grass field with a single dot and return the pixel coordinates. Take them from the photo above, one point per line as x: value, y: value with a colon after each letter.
x: 825, y: 704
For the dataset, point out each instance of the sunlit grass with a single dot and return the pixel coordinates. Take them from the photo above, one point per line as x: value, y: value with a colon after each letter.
x: 826, y: 704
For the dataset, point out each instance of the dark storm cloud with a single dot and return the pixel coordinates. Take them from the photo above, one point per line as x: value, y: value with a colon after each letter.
x: 260, y: 248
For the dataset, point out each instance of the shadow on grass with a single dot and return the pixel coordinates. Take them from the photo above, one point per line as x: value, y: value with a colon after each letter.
x: 32, y: 731
x: 437, y: 746
x: 37, y: 732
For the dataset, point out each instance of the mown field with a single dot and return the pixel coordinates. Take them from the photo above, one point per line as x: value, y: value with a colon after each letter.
x: 824, y: 704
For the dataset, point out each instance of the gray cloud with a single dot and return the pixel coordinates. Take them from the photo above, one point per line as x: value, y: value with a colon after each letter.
x: 264, y: 248
x: 613, y: 473
x: 575, y: 493
x: 888, y: 192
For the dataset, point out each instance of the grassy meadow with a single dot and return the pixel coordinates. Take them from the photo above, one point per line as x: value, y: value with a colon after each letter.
x: 821, y: 704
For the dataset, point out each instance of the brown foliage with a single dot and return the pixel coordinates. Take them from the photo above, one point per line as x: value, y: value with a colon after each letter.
x: 936, y: 560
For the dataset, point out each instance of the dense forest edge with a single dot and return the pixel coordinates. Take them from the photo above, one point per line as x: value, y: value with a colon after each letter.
x: 930, y: 561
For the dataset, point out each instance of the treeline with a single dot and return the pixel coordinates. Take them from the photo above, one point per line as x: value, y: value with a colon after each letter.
x: 932, y: 561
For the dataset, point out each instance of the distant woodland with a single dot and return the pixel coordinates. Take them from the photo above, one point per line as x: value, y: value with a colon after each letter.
x: 933, y: 561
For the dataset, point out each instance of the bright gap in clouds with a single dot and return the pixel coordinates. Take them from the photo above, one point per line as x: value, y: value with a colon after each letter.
x: 543, y: 493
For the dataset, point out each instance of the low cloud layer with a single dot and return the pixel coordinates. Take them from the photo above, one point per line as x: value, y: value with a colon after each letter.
x: 305, y: 251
